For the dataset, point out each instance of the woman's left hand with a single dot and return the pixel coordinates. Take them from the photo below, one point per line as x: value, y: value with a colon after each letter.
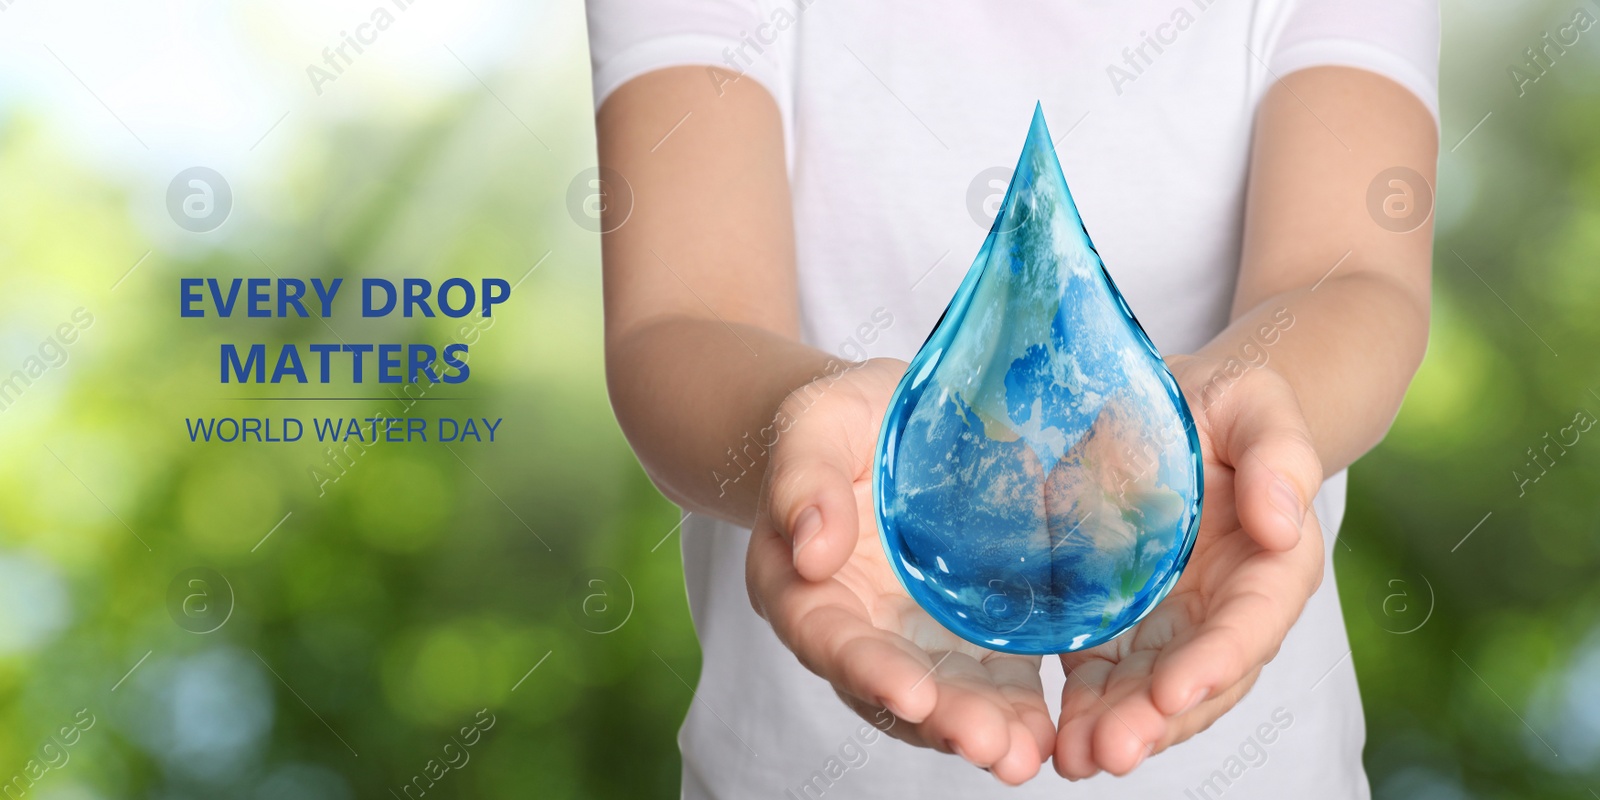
x: 1258, y: 558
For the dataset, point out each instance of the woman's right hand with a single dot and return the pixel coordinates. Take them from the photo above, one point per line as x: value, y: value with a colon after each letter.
x: 818, y: 574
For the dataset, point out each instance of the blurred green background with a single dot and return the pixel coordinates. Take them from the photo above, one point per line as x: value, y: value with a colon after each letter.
x: 376, y: 615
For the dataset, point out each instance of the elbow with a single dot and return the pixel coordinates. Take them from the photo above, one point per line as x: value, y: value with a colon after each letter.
x: 634, y: 421
x: 1416, y: 328
x: 1410, y: 332
x: 635, y: 403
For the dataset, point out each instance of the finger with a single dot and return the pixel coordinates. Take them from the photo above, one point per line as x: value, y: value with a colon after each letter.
x: 883, y: 719
x: 1017, y: 678
x: 1022, y: 761
x: 1073, y: 754
x: 810, y: 492
x: 1277, y: 470
x: 1128, y: 733
x: 1081, y: 709
x: 1011, y: 683
x: 830, y: 632
x: 1019, y: 764
x: 971, y: 719
x: 1187, y: 725
x: 1245, y: 623
x: 1126, y: 726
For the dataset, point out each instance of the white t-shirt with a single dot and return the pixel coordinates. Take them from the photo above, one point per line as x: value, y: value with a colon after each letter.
x: 902, y: 121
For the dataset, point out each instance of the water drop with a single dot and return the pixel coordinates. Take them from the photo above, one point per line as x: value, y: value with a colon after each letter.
x: 1038, y: 451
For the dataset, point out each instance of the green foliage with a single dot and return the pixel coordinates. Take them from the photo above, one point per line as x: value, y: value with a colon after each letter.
x: 391, y: 606
x: 403, y: 589
x: 1490, y: 697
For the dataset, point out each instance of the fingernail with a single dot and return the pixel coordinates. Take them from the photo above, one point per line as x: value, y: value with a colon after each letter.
x: 1195, y: 698
x: 1287, y: 503
x: 806, y: 528
x: 1142, y: 756
x: 888, y: 704
x: 1084, y: 777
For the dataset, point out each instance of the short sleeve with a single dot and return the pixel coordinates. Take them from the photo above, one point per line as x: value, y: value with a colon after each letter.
x: 1398, y: 39
x: 628, y: 38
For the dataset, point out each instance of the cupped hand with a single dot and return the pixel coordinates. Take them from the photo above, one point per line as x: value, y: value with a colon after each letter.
x: 817, y: 573
x: 1258, y: 558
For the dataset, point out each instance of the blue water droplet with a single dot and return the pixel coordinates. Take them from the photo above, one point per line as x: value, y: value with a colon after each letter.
x: 1038, y: 478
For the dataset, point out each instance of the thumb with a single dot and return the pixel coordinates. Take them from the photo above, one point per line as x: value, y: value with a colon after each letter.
x: 810, y: 492
x: 1277, y: 470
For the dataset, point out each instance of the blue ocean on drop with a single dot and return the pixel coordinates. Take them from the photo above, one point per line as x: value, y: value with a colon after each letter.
x: 1038, y: 477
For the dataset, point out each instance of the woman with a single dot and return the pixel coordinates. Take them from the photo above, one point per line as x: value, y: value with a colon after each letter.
x: 808, y: 181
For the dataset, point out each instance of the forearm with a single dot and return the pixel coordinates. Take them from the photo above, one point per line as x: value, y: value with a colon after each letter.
x: 702, y: 317
x: 1332, y: 294
x: 1349, y: 347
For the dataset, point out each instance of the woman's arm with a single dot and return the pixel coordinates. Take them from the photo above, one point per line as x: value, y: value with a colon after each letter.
x: 1330, y: 321
x: 702, y: 320
x: 1355, y: 294
x: 702, y: 353
x: 701, y: 315
x: 703, y: 359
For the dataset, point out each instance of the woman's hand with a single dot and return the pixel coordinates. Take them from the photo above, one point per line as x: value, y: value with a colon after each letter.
x: 817, y: 572
x: 1258, y: 559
